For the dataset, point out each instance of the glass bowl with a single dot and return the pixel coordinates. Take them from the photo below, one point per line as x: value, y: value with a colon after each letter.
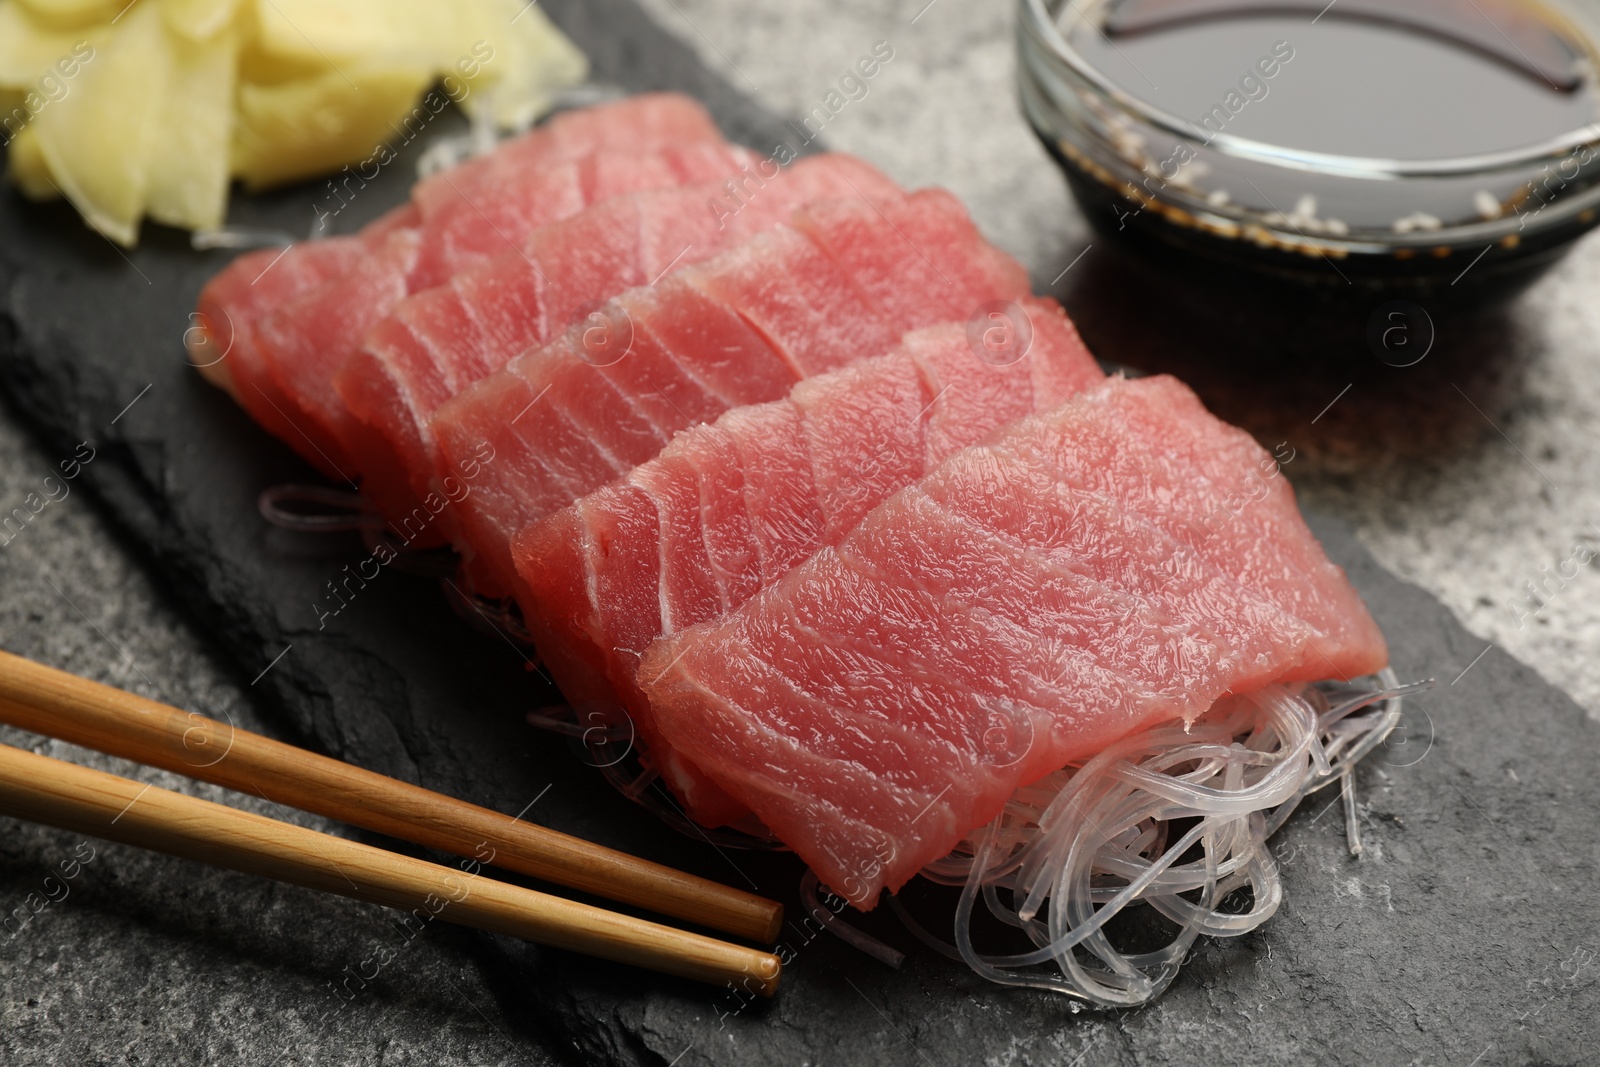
x: 1308, y: 216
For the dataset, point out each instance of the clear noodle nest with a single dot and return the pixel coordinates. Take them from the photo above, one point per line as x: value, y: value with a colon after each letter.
x: 1074, y: 850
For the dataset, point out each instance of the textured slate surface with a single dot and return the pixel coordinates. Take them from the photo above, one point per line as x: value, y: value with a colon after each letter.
x: 1465, y: 932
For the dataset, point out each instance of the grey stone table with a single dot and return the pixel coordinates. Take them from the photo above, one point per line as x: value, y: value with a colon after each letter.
x: 150, y: 960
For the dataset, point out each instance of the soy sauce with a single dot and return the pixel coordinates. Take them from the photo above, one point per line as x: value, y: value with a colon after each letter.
x: 1429, y: 79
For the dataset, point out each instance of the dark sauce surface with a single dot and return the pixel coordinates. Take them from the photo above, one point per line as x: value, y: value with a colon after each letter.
x: 1378, y: 78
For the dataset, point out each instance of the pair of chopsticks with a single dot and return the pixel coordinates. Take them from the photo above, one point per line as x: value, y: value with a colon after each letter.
x: 40, y: 789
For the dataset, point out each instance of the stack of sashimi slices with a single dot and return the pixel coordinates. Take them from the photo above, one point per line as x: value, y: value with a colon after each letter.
x: 789, y: 464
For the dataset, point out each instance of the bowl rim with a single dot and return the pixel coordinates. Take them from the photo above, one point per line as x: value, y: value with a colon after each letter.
x: 1037, y: 20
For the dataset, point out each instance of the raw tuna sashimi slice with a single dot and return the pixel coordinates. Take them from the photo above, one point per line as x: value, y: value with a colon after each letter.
x: 305, y: 342
x: 740, y: 328
x: 258, y: 283
x: 437, y: 342
x: 1274, y: 555
x: 487, y: 223
x: 221, y: 339
x: 728, y: 508
x: 640, y: 123
x: 1009, y: 613
x: 1280, y: 557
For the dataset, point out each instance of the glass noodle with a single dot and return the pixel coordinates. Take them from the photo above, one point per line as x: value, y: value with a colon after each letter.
x: 1076, y: 849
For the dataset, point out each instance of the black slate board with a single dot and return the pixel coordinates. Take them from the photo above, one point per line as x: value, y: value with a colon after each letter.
x: 1466, y: 931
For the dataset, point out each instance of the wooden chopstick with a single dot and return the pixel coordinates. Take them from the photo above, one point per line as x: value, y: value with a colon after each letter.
x: 41, y: 789
x: 47, y: 701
